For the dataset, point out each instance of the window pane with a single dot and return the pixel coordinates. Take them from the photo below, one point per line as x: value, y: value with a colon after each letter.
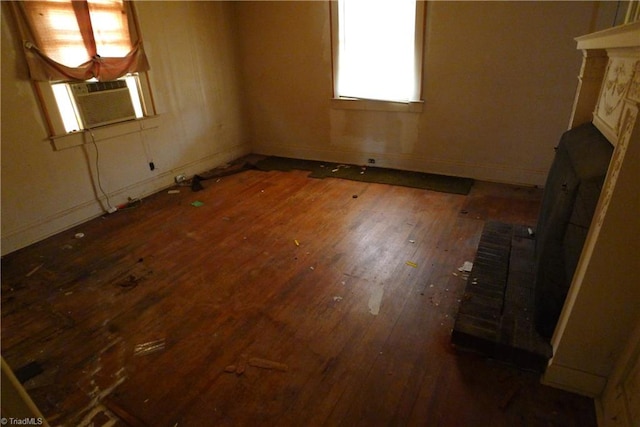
x: 377, y: 49
x: 65, y: 106
x: 134, y: 90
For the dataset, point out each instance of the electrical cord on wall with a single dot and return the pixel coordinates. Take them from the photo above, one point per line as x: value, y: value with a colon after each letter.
x: 147, y: 152
x: 110, y: 208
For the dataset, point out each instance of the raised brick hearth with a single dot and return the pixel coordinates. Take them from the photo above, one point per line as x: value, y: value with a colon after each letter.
x: 496, y: 312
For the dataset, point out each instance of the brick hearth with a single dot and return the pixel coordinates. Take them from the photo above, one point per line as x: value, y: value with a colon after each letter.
x: 496, y: 312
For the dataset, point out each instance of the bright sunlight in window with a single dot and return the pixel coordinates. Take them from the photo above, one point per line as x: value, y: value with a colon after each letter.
x: 110, y: 30
x: 67, y: 110
x: 377, y: 49
x: 67, y: 45
x: 133, y: 84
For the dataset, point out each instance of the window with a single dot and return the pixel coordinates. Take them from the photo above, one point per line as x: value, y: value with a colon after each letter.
x: 86, y: 59
x: 100, y: 103
x: 378, y: 49
x: 73, y: 33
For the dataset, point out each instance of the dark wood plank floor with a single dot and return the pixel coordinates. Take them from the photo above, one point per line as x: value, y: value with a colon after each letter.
x: 360, y: 310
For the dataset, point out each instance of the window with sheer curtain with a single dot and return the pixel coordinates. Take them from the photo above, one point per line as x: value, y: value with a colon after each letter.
x: 379, y: 49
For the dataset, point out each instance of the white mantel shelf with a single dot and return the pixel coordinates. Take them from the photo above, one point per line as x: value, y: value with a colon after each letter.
x: 627, y: 35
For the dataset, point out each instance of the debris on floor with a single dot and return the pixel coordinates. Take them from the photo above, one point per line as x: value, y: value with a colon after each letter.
x: 375, y: 300
x: 242, y: 365
x: 33, y: 271
x: 219, y: 172
x: 466, y: 267
x: 126, y: 416
x: 195, y: 184
x: 28, y: 371
x: 197, y: 203
x: 79, y: 235
x: 337, y: 298
x: 267, y: 364
x: 149, y: 347
x: 509, y: 396
x: 173, y: 192
x: 337, y: 168
x: 131, y: 276
x: 131, y: 203
x: 256, y: 362
x: 411, y: 264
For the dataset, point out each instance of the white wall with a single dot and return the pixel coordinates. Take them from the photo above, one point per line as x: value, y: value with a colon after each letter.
x: 195, y: 81
x: 498, y: 88
x: 232, y: 77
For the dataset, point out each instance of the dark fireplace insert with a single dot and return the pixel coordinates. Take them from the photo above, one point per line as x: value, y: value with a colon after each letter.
x: 569, y: 201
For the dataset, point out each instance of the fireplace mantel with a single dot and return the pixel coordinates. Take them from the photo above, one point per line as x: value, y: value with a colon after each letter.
x: 621, y: 36
x: 609, y: 81
x: 596, y: 345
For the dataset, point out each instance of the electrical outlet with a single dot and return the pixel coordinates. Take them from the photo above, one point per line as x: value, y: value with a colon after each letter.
x: 372, y: 161
x: 180, y: 178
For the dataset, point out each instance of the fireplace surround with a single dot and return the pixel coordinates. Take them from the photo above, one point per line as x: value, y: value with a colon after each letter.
x: 592, y: 334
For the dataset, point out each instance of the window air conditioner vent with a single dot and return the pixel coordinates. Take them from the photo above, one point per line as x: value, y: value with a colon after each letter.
x: 103, y: 103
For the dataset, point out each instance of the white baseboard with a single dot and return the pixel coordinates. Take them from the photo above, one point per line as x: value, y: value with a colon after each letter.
x: 573, y: 380
x: 484, y: 172
x: 66, y: 219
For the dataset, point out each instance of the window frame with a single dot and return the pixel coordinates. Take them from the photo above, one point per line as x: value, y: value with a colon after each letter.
x: 67, y: 97
x: 350, y: 103
x: 53, y: 118
x: 43, y: 84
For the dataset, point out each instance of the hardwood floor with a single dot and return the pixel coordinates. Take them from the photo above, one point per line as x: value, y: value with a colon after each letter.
x: 353, y: 286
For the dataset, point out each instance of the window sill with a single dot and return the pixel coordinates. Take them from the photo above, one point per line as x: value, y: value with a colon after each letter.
x: 75, y: 139
x: 374, y: 105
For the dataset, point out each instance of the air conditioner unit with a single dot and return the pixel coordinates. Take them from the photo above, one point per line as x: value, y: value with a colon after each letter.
x: 103, y: 103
